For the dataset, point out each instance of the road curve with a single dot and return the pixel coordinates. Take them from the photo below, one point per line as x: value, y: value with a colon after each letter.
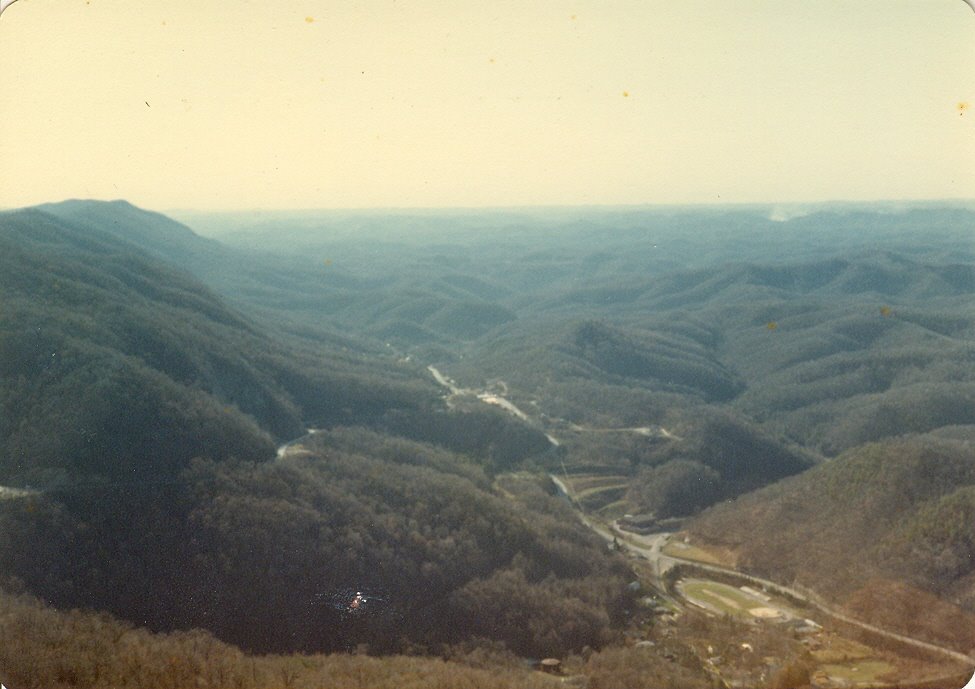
x: 661, y: 563
x: 824, y: 607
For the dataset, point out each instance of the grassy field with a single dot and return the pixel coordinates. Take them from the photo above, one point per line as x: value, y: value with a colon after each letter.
x: 691, y: 552
x: 726, y: 599
x: 852, y: 662
x: 841, y: 650
x: 860, y: 673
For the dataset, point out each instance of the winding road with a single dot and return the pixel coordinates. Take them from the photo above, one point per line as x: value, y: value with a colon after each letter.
x: 509, y: 406
x: 650, y: 547
x: 822, y: 606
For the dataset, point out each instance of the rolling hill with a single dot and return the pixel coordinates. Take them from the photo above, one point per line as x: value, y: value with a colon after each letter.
x: 885, y: 529
x: 148, y: 374
x: 140, y: 418
x: 114, y: 361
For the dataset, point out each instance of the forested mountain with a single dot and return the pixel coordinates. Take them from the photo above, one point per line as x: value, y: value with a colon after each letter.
x: 595, y: 317
x: 677, y: 358
x: 660, y: 361
x: 271, y: 556
x: 139, y: 230
x: 886, y: 529
x: 114, y: 362
x: 828, y: 354
x: 388, y: 273
x: 794, y: 325
x: 140, y: 418
x: 758, y: 345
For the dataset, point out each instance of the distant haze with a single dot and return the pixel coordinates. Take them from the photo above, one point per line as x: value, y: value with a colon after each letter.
x: 311, y: 104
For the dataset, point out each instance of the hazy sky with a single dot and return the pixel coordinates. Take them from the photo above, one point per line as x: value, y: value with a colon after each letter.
x: 230, y: 104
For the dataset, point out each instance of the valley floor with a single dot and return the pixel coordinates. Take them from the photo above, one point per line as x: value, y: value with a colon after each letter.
x: 841, y: 651
x: 834, y: 654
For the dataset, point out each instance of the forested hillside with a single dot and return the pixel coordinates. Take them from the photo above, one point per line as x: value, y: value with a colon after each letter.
x: 140, y: 419
x: 886, y: 529
x: 826, y: 331
x: 760, y: 347
x: 658, y: 361
x: 113, y: 363
x: 271, y: 556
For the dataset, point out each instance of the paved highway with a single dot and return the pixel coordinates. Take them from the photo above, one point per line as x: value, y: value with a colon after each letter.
x: 651, y: 546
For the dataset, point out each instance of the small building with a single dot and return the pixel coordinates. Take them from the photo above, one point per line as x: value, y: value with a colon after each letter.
x: 638, y: 523
x: 552, y: 666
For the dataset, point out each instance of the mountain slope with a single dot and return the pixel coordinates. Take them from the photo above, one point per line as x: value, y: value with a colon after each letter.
x: 880, y: 528
x: 112, y: 361
x: 829, y: 354
x: 144, y: 411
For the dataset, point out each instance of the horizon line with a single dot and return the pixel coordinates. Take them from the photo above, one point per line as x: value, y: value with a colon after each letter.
x: 540, y: 207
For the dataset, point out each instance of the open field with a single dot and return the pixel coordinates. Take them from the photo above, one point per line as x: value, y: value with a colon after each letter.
x: 863, y: 673
x: 686, y: 551
x: 847, y: 662
x: 725, y: 599
x: 840, y: 650
x: 840, y: 662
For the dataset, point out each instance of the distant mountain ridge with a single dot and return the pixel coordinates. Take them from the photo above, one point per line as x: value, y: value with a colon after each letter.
x: 138, y: 228
x: 663, y: 364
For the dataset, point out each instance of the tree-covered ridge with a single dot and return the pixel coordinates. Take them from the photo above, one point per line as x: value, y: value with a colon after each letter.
x: 114, y: 362
x: 270, y: 556
x: 718, y: 457
x: 800, y: 325
x: 791, y: 346
x: 816, y: 326
x: 363, y: 291
x: 828, y: 330
x: 898, y: 511
x: 391, y: 274
x: 147, y: 411
x: 937, y: 544
x: 49, y: 649
x: 669, y: 372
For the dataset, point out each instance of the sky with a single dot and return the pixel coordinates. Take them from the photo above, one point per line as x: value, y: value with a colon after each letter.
x: 286, y: 104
